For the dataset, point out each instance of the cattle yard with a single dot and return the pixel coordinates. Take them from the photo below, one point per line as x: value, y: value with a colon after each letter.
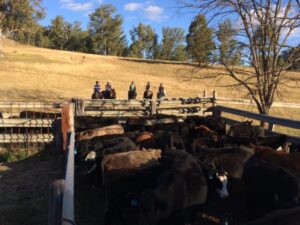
x: 31, y: 125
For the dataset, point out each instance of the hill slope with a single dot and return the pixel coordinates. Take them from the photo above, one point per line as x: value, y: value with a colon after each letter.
x: 30, y: 73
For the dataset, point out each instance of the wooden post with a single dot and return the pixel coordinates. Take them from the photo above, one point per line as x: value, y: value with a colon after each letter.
x: 216, y: 112
x: 153, y: 107
x: 67, y: 122
x: 204, y: 93
x: 271, y: 127
x: 58, y: 135
x: 79, y: 107
x: 214, y: 98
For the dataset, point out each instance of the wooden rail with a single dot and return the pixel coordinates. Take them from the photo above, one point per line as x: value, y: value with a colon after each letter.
x: 26, y: 138
x: 271, y: 120
x: 133, y: 108
x: 240, y: 101
x: 10, y: 123
x: 27, y: 122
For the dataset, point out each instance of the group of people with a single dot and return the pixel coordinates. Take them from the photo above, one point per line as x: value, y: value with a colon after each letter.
x: 132, y: 89
x: 97, y: 87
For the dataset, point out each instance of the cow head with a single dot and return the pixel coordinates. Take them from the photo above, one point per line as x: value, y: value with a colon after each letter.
x: 221, y: 184
x: 218, y: 181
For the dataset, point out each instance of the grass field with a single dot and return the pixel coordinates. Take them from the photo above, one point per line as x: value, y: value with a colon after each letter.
x: 30, y: 73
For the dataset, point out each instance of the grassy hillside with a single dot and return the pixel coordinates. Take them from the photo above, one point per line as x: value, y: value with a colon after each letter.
x: 30, y: 73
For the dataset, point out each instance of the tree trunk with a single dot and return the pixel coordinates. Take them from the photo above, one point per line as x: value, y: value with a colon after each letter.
x: 1, y: 44
x: 263, y: 110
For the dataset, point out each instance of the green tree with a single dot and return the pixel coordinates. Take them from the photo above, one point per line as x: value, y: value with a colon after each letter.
x: 106, y: 31
x: 144, y: 42
x: 41, y: 38
x: 59, y: 32
x: 16, y: 15
x: 180, y: 53
x: 172, y: 38
x: 200, y: 44
x: 77, y: 38
x: 229, y: 48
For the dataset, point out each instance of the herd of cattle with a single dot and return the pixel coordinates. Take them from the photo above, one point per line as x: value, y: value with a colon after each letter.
x: 198, y: 170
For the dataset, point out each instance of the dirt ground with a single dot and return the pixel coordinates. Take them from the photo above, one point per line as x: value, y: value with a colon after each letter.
x: 24, y: 188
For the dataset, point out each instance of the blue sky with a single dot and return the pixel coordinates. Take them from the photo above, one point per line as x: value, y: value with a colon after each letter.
x: 157, y: 13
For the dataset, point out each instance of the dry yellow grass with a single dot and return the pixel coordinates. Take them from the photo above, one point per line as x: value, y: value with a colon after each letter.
x: 30, y: 73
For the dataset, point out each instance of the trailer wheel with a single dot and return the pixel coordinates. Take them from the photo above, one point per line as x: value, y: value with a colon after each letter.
x: 55, y: 202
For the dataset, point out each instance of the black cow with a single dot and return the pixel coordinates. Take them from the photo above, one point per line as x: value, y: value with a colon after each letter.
x: 273, y: 140
x: 269, y: 187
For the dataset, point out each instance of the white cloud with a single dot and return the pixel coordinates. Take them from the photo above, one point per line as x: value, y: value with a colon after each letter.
x: 155, y: 13
x: 150, y: 11
x: 74, y: 6
x: 133, y: 6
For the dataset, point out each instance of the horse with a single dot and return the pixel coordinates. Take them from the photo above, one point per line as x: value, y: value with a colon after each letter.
x: 97, y: 95
x: 161, y: 95
x: 109, y: 94
x: 132, y: 94
x: 148, y: 94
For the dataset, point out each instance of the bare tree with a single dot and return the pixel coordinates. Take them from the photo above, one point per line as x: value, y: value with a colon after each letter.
x: 264, y: 28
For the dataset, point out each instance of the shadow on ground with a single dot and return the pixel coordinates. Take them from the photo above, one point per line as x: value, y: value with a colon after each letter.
x: 24, y: 188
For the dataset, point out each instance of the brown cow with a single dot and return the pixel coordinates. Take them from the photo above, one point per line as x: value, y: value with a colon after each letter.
x: 279, y: 158
x: 109, y: 130
x: 230, y: 159
x: 114, y: 166
x: 161, y: 139
x: 204, y: 132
